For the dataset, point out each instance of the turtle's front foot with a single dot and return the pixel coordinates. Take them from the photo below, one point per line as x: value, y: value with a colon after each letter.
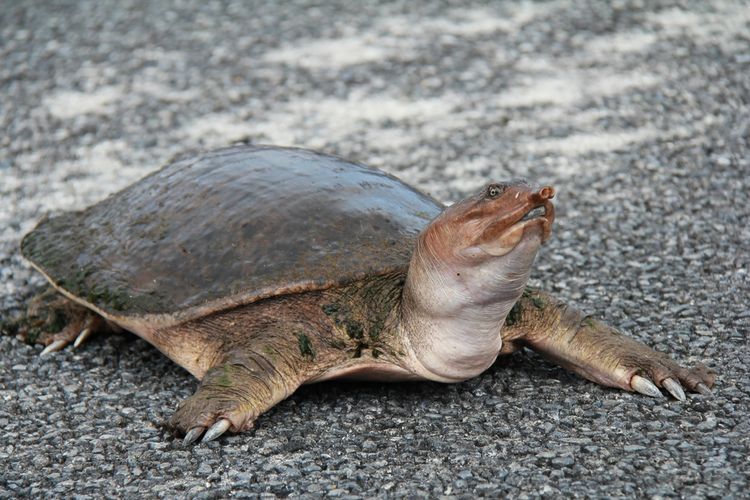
x: 55, y: 321
x: 599, y: 352
x: 650, y: 374
x: 602, y: 354
x: 213, y: 412
x: 232, y: 395
x: 224, y: 401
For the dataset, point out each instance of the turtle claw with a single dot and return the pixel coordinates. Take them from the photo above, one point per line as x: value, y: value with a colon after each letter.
x: 703, y: 389
x: 674, y: 388
x: 645, y: 386
x: 61, y: 339
x: 216, y: 430
x: 85, y: 333
x: 213, y: 432
x: 53, y: 347
x: 56, y: 321
x: 193, y: 435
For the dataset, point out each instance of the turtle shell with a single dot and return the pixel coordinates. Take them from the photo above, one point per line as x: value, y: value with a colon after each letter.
x: 229, y: 227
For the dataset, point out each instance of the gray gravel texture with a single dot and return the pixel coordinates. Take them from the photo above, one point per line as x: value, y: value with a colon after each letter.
x: 638, y: 112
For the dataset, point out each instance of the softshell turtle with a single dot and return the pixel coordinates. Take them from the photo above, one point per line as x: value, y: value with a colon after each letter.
x: 259, y: 269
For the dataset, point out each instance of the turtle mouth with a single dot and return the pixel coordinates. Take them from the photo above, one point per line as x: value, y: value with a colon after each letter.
x: 535, y: 214
x: 540, y: 214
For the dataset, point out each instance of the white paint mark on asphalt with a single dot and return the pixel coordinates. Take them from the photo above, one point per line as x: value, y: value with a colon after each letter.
x: 334, y: 52
x: 163, y: 92
x: 69, y: 103
x: 718, y: 20
x: 584, y: 143
x: 559, y: 90
x: 94, y: 173
x: 619, y: 43
x: 313, y: 123
x: 218, y: 129
x: 566, y: 88
x: 399, y: 36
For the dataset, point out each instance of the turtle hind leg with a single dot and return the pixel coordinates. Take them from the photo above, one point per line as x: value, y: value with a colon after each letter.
x: 80, y: 327
x: 56, y: 321
x: 599, y: 352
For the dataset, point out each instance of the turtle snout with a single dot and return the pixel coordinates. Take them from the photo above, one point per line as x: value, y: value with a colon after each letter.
x: 546, y: 193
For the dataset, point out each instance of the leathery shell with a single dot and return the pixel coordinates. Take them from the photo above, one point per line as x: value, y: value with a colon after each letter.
x: 229, y: 227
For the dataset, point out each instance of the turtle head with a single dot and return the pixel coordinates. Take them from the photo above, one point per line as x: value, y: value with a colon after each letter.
x: 469, y: 267
x: 491, y: 224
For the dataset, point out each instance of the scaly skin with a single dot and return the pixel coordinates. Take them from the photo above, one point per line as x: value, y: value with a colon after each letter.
x: 594, y: 350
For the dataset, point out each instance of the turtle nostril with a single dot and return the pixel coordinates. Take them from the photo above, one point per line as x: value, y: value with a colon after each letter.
x: 547, y: 192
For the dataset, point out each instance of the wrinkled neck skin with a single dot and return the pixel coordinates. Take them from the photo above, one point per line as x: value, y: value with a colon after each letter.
x: 453, y: 310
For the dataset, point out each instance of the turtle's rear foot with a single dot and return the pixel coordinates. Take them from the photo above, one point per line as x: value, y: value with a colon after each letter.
x: 55, y: 321
x: 80, y: 327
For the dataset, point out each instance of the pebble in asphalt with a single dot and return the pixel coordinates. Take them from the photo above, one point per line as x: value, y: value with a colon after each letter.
x: 638, y: 114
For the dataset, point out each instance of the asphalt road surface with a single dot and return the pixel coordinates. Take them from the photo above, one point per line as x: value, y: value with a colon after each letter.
x: 639, y: 114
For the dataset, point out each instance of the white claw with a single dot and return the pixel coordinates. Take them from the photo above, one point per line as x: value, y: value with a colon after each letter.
x: 216, y: 430
x: 703, y: 389
x: 645, y: 386
x: 54, y: 347
x: 85, y: 333
x: 192, y: 435
x: 674, y: 388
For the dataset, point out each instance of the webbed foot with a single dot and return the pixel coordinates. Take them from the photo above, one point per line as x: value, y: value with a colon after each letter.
x: 599, y: 352
x: 604, y: 355
x: 228, y: 399
x: 80, y: 328
x: 55, y: 321
x: 213, y: 413
x: 232, y: 395
x: 697, y: 379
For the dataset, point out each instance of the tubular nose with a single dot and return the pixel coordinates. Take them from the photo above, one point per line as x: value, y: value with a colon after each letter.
x: 546, y: 193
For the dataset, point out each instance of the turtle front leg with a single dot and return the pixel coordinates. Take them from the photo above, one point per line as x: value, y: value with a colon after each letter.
x: 597, y: 351
x: 246, y: 382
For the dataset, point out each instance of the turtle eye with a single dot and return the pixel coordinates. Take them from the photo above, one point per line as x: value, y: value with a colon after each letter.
x: 494, y: 191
